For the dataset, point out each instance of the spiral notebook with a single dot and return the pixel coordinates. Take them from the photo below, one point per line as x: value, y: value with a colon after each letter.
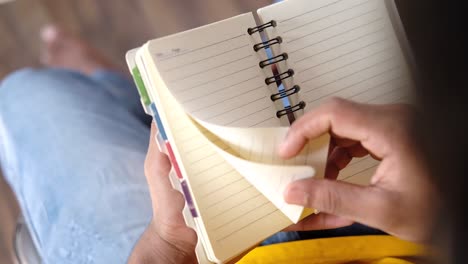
x: 223, y: 96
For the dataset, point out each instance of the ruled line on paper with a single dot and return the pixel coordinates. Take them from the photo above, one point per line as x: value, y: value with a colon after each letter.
x: 208, y: 180
x: 191, y: 63
x: 228, y: 209
x: 338, y: 35
x: 335, y: 47
x: 222, y: 187
x: 217, y: 79
x: 188, y: 139
x: 386, y: 93
x: 355, y: 162
x: 355, y: 84
x: 227, y: 99
x: 225, y: 169
x: 243, y: 117
x: 221, y: 162
x: 337, y: 13
x: 206, y: 156
x: 190, y: 150
x: 263, y: 121
x: 368, y: 89
x: 254, y: 100
x: 348, y: 53
x: 188, y: 76
x: 216, y: 207
x: 310, y: 11
x: 222, y: 224
x: 204, y: 47
x: 328, y: 27
x: 244, y: 226
x: 213, y: 180
x: 220, y: 89
x: 227, y: 197
x: 353, y: 73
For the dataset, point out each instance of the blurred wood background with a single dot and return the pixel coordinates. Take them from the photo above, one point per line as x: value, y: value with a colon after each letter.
x: 114, y: 26
x: 8, y: 215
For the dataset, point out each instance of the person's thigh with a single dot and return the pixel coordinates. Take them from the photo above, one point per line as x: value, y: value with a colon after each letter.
x: 74, y: 156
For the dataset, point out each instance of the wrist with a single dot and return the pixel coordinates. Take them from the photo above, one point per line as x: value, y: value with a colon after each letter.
x: 153, y: 248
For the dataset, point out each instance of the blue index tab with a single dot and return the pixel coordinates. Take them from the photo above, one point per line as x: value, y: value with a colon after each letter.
x: 156, y: 118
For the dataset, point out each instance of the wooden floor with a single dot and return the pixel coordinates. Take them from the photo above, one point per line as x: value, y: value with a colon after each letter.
x: 114, y: 26
x: 8, y: 215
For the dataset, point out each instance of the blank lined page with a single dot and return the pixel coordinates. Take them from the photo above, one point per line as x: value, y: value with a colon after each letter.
x: 343, y: 48
x: 228, y: 205
x: 213, y: 73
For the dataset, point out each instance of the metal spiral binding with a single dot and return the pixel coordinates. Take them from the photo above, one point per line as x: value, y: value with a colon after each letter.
x: 273, y: 60
x: 291, y: 109
x: 285, y: 93
x: 278, y: 77
x: 267, y: 44
x: 260, y: 28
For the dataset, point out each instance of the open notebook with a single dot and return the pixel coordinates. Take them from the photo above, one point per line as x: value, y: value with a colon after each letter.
x: 224, y: 94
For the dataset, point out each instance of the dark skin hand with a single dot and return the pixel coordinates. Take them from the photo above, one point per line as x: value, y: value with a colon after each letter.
x: 399, y: 200
x: 167, y: 239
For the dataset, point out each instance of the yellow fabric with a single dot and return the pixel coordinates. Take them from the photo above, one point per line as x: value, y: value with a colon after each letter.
x: 359, y: 249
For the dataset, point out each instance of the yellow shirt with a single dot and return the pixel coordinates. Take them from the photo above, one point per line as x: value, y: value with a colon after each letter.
x: 358, y: 249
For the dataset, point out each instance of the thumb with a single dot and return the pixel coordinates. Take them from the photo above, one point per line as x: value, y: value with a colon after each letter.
x: 367, y: 205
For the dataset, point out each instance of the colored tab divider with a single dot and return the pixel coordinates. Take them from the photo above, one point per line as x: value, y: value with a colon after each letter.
x: 141, y: 86
x: 162, y: 133
x: 157, y: 119
x: 175, y: 164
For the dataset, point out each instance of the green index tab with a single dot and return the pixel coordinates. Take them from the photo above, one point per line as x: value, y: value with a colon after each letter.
x: 141, y: 86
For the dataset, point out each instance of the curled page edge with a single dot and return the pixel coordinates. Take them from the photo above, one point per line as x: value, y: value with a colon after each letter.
x: 271, y: 180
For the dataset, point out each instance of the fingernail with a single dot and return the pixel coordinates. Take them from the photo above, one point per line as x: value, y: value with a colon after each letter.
x: 296, y: 195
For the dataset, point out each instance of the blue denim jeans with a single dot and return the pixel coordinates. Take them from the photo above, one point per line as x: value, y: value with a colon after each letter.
x: 72, y: 147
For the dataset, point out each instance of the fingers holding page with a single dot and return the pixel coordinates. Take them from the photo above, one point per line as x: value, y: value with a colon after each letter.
x: 347, y: 121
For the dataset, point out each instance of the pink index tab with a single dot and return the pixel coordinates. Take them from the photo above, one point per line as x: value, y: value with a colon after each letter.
x: 173, y: 160
x: 183, y: 183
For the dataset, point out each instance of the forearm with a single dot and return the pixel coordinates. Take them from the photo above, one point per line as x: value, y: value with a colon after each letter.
x: 151, y: 248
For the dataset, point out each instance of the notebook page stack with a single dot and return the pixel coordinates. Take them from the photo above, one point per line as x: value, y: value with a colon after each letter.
x: 223, y: 95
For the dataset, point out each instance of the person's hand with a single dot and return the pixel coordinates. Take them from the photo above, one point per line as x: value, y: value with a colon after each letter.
x: 167, y: 239
x: 400, y: 199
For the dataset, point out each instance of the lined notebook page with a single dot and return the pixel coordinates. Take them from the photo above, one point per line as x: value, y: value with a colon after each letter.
x: 216, y: 78
x: 213, y: 72
x: 344, y: 48
x: 234, y: 212
x: 253, y: 154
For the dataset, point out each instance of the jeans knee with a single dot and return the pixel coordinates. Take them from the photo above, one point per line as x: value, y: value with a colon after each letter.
x: 17, y: 77
x: 30, y: 84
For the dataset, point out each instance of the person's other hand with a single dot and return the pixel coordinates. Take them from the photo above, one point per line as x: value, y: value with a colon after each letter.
x: 400, y: 199
x: 167, y: 239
